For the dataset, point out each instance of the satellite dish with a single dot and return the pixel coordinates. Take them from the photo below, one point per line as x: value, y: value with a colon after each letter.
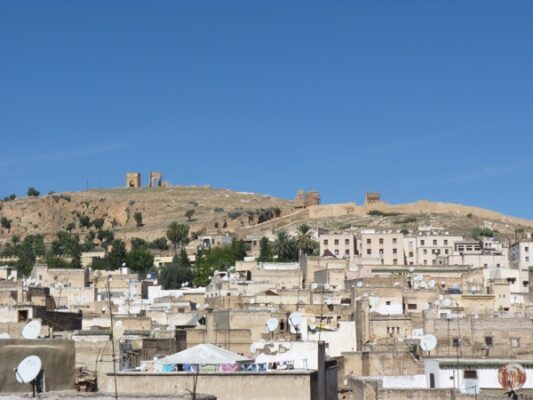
x: 428, y: 342
x: 148, y: 276
x: 32, y: 330
x: 272, y: 324
x: 425, y: 306
x: 431, y: 284
x: 326, y: 286
x: 314, y: 285
x: 329, y: 302
x: 253, y: 348
x: 294, y: 321
x: 10, y: 277
x: 512, y: 376
x: 419, y: 277
x: 28, y: 369
x: 312, y: 327
x: 4, y: 336
x: 446, y: 302
x: 423, y: 285
x: 359, y: 284
x: 411, y: 269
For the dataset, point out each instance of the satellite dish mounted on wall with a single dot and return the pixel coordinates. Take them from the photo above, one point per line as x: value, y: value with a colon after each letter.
x: 294, y: 322
x: 272, y: 324
x: 428, y: 343
x: 32, y: 330
x: 28, y: 370
x: 4, y: 335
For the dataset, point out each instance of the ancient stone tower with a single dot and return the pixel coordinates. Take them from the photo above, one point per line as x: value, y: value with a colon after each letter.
x: 155, y: 179
x: 372, y: 197
x: 308, y: 199
x: 133, y: 179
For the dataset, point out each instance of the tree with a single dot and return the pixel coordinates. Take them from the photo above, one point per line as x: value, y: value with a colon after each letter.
x: 189, y: 213
x: 177, y: 234
x: 15, y: 240
x: 6, y: 224
x: 216, y: 258
x: 70, y: 226
x: 138, y: 243
x: 484, y: 231
x: 98, y: 223
x: 159, y: 244
x: 304, y: 239
x: 265, y: 250
x: 177, y: 273
x: 32, y: 192
x: 117, y: 255
x: 284, y: 247
x: 105, y: 236
x: 138, y: 217
x: 85, y: 221
x: 10, y: 197
x: 56, y: 262
x: 140, y: 260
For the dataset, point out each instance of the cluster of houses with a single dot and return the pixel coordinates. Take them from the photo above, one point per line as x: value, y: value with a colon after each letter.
x: 351, y: 323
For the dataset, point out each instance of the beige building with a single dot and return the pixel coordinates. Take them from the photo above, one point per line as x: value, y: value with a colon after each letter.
x: 340, y: 245
x: 521, y: 255
x: 429, y: 248
x: 385, y: 248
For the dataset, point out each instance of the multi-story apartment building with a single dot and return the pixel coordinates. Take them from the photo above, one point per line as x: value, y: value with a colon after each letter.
x: 521, y: 255
x: 429, y: 248
x: 482, y: 254
x: 341, y: 245
x: 384, y: 248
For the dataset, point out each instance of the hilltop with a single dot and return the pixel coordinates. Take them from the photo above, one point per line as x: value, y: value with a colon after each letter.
x: 242, y: 213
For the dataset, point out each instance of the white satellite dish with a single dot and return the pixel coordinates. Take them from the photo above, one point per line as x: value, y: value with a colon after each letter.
x: 425, y: 306
x: 431, y: 284
x: 423, y: 285
x: 314, y: 286
x: 28, y: 369
x: 359, y: 284
x: 325, y: 286
x: 272, y: 324
x: 411, y: 269
x: 118, y: 330
x: 253, y: 348
x: 446, y: 302
x: 428, y: 342
x: 419, y: 277
x: 32, y: 330
x: 328, y: 302
x: 312, y: 327
x: 4, y: 335
x: 10, y: 277
x: 294, y: 321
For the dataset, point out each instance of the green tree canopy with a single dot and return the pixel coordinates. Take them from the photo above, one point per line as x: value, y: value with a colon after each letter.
x: 216, y: 259
x: 32, y: 192
x: 265, y: 250
x: 285, y: 247
x: 117, y: 255
x: 140, y: 260
x: 177, y: 234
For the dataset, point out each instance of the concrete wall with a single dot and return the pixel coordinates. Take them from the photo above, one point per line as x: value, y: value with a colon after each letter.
x: 289, y: 385
x: 57, y: 357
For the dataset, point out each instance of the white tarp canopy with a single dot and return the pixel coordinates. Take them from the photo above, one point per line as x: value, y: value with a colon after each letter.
x: 203, y: 354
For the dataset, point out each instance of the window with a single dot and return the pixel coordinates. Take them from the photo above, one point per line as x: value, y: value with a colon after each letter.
x: 325, y: 242
x: 527, y: 258
x: 380, y: 252
x: 380, y: 240
x: 347, y: 252
x: 422, y: 242
x: 489, y: 341
x: 368, y: 241
x: 526, y: 249
x: 445, y: 242
x: 336, y: 252
x: 515, y: 342
x: 470, y: 374
x: 368, y: 251
x: 394, y: 240
x: 336, y: 242
x: 435, y: 242
x: 425, y: 262
x: 425, y: 251
x: 387, y: 302
x: 347, y: 241
x: 411, y: 306
x: 382, y: 261
x: 395, y: 261
x: 411, y: 254
x: 394, y: 251
x: 445, y: 251
x: 455, y: 341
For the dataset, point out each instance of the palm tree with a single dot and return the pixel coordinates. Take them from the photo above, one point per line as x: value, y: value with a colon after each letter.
x: 304, y: 239
x: 177, y: 234
x: 284, y: 247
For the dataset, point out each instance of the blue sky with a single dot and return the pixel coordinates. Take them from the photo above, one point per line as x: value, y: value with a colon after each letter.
x: 415, y: 99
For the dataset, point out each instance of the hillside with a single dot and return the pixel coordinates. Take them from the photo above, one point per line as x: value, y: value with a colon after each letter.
x: 159, y: 206
x: 221, y: 210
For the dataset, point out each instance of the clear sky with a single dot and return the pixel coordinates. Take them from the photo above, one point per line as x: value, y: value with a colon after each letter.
x: 415, y: 99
